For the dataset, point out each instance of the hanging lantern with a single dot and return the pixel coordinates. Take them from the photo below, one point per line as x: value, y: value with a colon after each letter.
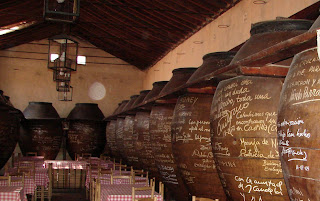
x: 63, y: 53
x: 61, y: 10
x: 65, y: 91
x: 62, y: 74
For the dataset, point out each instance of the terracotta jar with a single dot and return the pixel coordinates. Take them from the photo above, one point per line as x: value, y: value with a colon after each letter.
x: 87, y: 130
x: 42, y: 131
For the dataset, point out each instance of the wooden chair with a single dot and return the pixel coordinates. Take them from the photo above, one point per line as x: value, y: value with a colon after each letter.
x: 105, y: 175
x: 30, y: 164
x: 101, y: 179
x: 126, y: 170
x: 121, y: 177
x: 17, y: 178
x: 31, y: 154
x: 194, y: 198
x: 161, y: 189
x: 135, y: 189
x: 93, y: 185
x: 142, y: 180
x: 141, y: 173
x: 90, y: 169
x: 97, y: 192
x: 6, y: 178
x: 41, y: 191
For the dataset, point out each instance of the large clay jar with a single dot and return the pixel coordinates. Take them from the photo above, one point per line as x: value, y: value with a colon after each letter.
x: 119, y: 138
x: 111, y: 138
x: 244, y: 138
x: 130, y: 139
x: 141, y: 136
x: 191, y: 144
x: 42, y: 131
x: 160, y: 131
x: 130, y: 103
x: 120, y: 108
x: 191, y: 133
x: 268, y: 33
x: 141, y: 97
x: 9, y: 131
x: 298, y: 127
x: 87, y: 130
x: 117, y: 109
x: 107, y: 148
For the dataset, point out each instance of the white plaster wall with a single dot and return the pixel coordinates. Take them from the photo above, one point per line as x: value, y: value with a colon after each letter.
x: 27, y: 80
x: 239, y: 18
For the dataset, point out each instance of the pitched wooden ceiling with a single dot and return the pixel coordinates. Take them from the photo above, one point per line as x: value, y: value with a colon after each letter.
x: 139, y: 32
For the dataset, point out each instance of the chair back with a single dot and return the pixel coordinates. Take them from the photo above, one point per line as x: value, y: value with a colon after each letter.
x: 121, y: 177
x: 7, y: 179
x: 93, y: 190
x: 147, y: 188
x: 97, y: 196
x: 194, y: 198
x: 161, y: 189
x: 17, y: 178
x: 105, y: 176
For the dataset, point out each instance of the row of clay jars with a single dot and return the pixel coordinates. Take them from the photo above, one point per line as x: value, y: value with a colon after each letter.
x: 231, y: 177
x: 42, y: 130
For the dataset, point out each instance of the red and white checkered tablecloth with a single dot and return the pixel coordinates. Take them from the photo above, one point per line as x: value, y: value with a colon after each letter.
x: 123, y: 192
x: 12, y: 193
x: 96, y: 160
x: 29, y: 184
x: 64, y: 164
x: 42, y: 177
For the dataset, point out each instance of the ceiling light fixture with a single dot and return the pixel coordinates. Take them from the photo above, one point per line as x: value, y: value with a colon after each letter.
x: 61, y: 10
x: 223, y: 26
x: 198, y: 42
x: 261, y: 2
x: 65, y: 61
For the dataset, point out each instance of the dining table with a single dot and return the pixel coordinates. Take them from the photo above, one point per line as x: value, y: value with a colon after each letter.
x: 29, y: 184
x: 123, y: 192
x: 38, y: 161
x: 68, y: 173
x: 12, y: 193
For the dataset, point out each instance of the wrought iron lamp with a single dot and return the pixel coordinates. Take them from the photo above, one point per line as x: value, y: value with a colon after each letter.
x: 67, y: 50
x: 61, y: 10
x: 65, y: 91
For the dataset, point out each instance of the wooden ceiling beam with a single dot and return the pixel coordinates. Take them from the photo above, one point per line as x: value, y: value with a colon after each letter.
x: 146, y: 8
x: 114, y: 34
x: 174, y: 20
x: 138, y: 33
